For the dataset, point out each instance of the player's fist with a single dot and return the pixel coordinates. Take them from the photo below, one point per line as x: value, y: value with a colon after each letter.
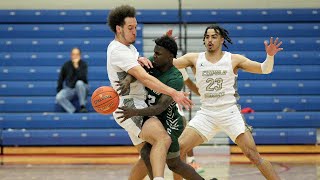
x: 274, y: 47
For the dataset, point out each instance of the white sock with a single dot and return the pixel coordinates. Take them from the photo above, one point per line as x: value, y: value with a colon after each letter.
x: 158, y: 178
x: 190, y: 159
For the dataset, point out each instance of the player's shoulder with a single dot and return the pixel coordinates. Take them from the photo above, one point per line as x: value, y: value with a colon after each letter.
x: 116, y: 46
x: 192, y: 56
x: 237, y: 57
x: 175, y: 75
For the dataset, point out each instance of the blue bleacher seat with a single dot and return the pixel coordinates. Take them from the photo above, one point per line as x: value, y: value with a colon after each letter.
x: 283, y: 119
x: 284, y: 136
x: 278, y: 103
x: 57, y: 121
x: 286, y: 57
x: 258, y: 103
x: 272, y: 29
x: 102, y: 30
x: 289, y: 44
x: 245, y: 15
x: 245, y: 87
x: 163, y: 16
x: 100, y: 44
x: 95, y: 120
x: 51, y: 137
x: 35, y: 43
x: 281, y: 72
x: 99, y: 58
x: 58, y: 31
x: 57, y: 45
x: 49, y: 58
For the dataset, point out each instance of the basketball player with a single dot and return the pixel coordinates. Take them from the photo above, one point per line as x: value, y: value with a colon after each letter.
x: 122, y: 59
x: 190, y: 155
x: 187, y: 81
x: 216, y: 74
x: 163, y: 106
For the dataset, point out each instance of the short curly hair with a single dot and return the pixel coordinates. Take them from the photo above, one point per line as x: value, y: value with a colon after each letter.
x: 117, y: 15
x: 168, y: 43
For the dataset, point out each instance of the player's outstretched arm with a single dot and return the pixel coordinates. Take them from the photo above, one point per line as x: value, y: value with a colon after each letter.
x: 163, y: 103
x: 187, y: 60
x: 260, y: 68
x: 187, y: 81
x: 153, y: 83
x: 124, y: 85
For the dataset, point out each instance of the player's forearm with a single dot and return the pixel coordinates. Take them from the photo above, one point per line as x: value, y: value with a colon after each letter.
x: 149, y: 111
x: 188, y: 82
x: 192, y: 86
x: 154, y: 84
x: 267, y: 65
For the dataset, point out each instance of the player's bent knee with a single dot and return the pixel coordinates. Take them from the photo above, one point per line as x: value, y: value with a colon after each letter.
x: 164, y: 138
x: 167, y: 140
x: 173, y: 163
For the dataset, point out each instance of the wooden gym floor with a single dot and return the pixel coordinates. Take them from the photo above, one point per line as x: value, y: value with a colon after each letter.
x: 68, y: 163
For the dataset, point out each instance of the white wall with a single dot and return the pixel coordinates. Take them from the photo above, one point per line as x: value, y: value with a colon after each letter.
x: 158, y: 4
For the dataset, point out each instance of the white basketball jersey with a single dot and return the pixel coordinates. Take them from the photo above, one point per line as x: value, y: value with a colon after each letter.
x: 121, y: 58
x: 217, y: 82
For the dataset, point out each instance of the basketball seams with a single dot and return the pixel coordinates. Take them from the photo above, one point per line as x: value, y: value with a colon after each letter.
x: 107, y: 100
x: 104, y: 92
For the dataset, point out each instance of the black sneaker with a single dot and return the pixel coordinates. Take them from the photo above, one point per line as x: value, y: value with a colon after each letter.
x: 214, y: 179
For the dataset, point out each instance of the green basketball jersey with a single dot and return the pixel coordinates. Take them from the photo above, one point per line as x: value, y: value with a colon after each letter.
x: 171, y: 119
x: 172, y: 78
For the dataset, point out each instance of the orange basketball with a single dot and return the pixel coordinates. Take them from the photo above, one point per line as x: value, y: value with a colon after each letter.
x: 105, y: 100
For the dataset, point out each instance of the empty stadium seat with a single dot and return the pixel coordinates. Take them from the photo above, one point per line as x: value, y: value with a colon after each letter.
x: 258, y: 103
x: 120, y: 137
x: 284, y: 136
x: 35, y: 43
x: 97, y: 121
x: 254, y: 44
x: 307, y: 72
x: 58, y: 31
x: 245, y: 87
x: 65, y: 137
x: 257, y: 30
x: 57, y: 121
x: 57, y: 45
x: 163, y: 16
x: 283, y: 119
x: 99, y: 58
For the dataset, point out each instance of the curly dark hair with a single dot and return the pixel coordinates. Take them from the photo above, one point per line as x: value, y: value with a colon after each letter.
x: 220, y: 30
x: 117, y: 15
x: 168, y: 43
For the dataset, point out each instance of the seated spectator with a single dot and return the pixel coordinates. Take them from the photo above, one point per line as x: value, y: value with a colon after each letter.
x: 73, y: 82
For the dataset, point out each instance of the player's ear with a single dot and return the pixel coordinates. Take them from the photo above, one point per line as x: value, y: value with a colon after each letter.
x: 222, y: 40
x: 118, y: 29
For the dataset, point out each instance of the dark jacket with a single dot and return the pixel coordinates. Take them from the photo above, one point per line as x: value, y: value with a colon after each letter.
x: 70, y: 75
